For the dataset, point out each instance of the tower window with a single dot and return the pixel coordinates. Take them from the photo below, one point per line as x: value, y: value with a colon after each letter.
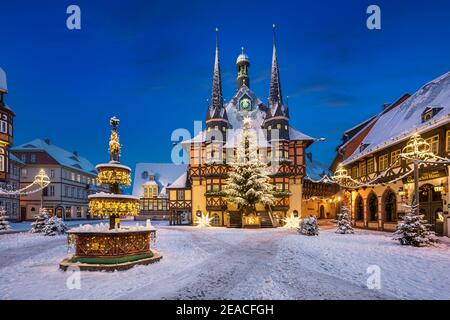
x: 3, y: 127
x: 2, y: 160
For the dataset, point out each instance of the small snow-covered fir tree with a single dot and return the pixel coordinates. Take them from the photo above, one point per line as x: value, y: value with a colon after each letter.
x: 413, y: 230
x: 54, y: 226
x: 309, y: 226
x: 4, y: 224
x: 343, y: 222
x: 41, y: 219
x: 248, y: 181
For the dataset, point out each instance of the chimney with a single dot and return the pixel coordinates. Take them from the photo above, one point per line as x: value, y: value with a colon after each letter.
x: 309, y: 156
x: 47, y: 141
x: 386, y: 105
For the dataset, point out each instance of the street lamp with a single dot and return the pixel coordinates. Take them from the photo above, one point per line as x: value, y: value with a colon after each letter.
x: 42, y: 180
x: 416, y: 150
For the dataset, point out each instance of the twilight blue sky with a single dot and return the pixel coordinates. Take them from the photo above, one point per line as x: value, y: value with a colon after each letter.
x: 150, y: 64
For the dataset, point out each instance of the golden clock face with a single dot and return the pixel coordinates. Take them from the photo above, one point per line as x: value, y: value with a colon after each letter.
x: 245, y: 104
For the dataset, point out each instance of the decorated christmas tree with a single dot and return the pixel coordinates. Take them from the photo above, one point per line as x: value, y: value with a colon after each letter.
x: 4, y: 224
x: 343, y: 222
x: 54, y: 226
x: 248, y: 182
x: 309, y: 227
x: 413, y: 230
x: 41, y: 220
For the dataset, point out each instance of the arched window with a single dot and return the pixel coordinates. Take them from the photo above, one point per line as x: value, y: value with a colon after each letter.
x: 372, y: 206
x: 390, y: 206
x: 359, y: 208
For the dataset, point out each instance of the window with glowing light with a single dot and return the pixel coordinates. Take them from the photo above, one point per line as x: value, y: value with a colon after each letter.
x: 383, y: 162
x: 370, y: 166
x: 434, y: 144
x: 395, y: 157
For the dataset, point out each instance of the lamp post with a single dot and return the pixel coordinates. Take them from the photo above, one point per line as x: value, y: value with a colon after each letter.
x: 340, y: 175
x: 416, y: 150
x: 42, y: 180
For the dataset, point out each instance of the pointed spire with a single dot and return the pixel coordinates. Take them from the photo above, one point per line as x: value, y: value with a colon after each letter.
x: 217, y: 96
x: 275, y: 85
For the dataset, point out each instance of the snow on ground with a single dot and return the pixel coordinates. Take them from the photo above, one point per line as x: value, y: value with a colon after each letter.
x: 406, y: 272
x: 219, y: 263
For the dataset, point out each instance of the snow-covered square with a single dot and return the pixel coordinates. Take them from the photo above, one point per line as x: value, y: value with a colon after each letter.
x: 220, y: 263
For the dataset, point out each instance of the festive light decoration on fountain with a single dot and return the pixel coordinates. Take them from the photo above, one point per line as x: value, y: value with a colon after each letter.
x: 291, y: 222
x: 102, y: 204
x: 112, y: 247
x: 204, y: 221
x: 114, y: 144
x: 115, y: 175
x: 108, y: 174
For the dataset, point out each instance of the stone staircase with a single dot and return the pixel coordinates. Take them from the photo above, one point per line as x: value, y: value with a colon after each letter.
x: 265, y: 219
x: 235, y: 220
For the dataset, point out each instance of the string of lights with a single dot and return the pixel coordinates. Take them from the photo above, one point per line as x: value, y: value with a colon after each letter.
x: 417, y: 150
x: 40, y: 182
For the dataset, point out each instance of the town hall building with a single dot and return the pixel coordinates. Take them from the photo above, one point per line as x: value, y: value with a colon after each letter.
x: 200, y: 188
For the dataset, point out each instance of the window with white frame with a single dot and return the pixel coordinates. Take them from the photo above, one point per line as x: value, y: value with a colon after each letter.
x: 3, y: 126
x: 2, y: 160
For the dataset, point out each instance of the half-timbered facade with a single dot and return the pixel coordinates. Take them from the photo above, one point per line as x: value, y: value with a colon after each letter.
x: 372, y: 153
x: 9, y: 164
x: 279, y: 144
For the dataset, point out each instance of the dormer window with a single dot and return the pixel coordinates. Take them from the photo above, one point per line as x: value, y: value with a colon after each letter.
x: 363, y: 146
x: 429, y: 113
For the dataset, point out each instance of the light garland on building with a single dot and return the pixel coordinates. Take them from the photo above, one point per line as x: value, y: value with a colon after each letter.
x: 40, y: 182
x: 417, y: 149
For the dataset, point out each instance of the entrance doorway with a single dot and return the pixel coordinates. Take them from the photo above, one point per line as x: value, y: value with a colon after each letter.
x: 322, y: 212
x: 430, y: 205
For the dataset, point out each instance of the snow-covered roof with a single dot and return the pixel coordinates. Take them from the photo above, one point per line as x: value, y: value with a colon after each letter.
x: 294, y: 134
x: 181, y: 182
x: 63, y: 157
x: 12, y: 157
x: 3, y: 84
x: 257, y: 114
x: 399, y: 123
x: 164, y: 174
